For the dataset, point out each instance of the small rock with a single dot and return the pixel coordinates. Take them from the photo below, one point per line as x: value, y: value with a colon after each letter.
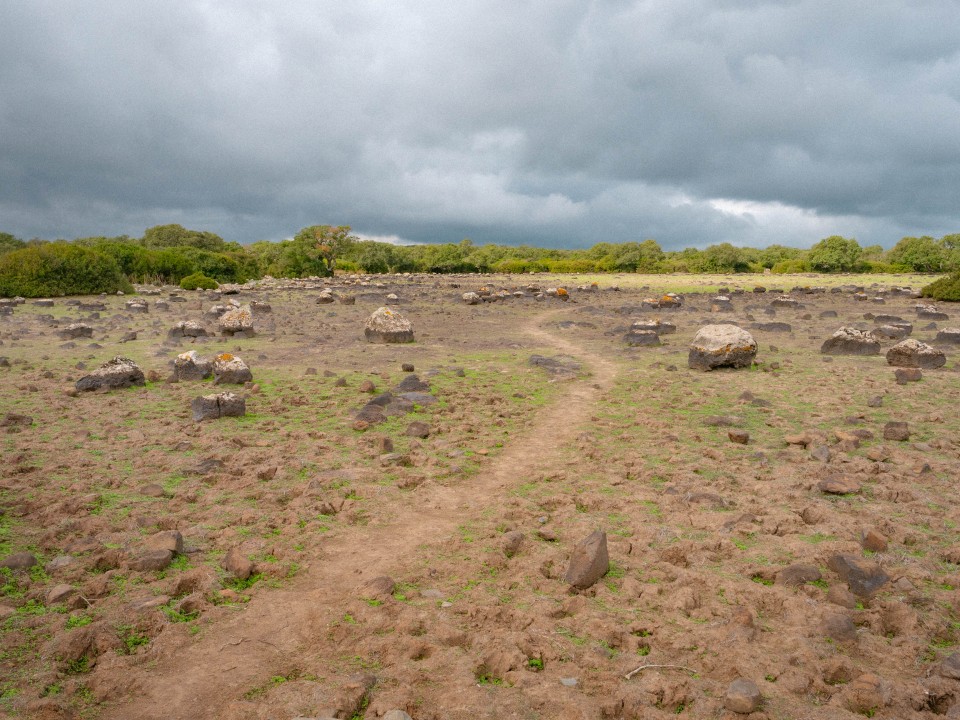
x: 512, y: 542
x: 152, y: 560
x: 839, y: 627
x: 874, y: 541
x: 743, y: 697
x: 19, y: 561
x: 797, y: 574
x: 741, y: 437
x: 211, y: 407
x: 908, y: 375
x: 862, y: 577
x: 895, y: 430
x: 950, y: 666
x: 237, y: 564
x: 838, y: 486
x: 418, y: 429
x: 170, y: 540
x: 589, y: 561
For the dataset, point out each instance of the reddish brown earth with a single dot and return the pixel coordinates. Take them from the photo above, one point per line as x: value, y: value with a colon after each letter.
x: 727, y: 560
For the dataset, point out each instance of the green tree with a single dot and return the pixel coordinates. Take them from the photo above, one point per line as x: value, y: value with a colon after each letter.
x: 922, y: 254
x: 725, y: 258
x: 163, y: 236
x: 59, y: 268
x: 835, y: 254
x: 8, y: 242
x: 317, y: 247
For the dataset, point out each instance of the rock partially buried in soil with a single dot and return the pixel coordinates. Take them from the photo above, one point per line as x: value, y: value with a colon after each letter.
x: 75, y: 331
x: 190, y: 366
x: 388, y: 326
x: 237, y: 564
x: 642, y: 338
x: 911, y: 353
x: 741, y: 437
x: 114, y: 374
x: 212, y: 407
x: 838, y: 486
x: 839, y: 627
x: 896, y: 430
x: 717, y: 346
x: 797, y: 574
x: 589, y: 561
x: 230, y: 370
x: 187, y: 328
x: 949, y: 336
x: 19, y: 561
x: 908, y: 375
x: 850, y: 341
x: 742, y: 697
x: 862, y: 577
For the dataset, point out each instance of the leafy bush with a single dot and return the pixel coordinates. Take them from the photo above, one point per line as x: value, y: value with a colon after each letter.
x: 947, y: 288
x: 59, y: 268
x: 785, y: 267
x: 198, y: 280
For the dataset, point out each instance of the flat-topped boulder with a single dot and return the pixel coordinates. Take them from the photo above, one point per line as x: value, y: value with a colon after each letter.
x: 949, y: 336
x: 386, y: 325
x: 660, y: 327
x: 74, y: 331
x: 716, y: 346
x: 237, y: 320
x: 212, y: 407
x: 120, y: 372
x: 230, y: 370
x: 850, y: 341
x: 642, y: 338
x: 187, y: 329
x: 911, y: 353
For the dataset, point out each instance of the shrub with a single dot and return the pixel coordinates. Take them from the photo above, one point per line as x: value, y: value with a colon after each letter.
x: 59, y: 268
x: 198, y: 280
x: 785, y: 267
x: 946, y: 288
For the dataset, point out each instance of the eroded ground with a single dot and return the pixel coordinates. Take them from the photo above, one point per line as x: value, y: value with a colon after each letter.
x: 709, y: 540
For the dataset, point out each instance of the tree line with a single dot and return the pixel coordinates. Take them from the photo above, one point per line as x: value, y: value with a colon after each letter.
x: 172, y: 253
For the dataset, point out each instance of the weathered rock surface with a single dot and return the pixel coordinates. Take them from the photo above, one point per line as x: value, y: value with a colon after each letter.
x: 236, y: 320
x: 915, y: 354
x: 211, y: 407
x: 187, y: 329
x: 716, y: 346
x: 190, y: 366
x: 589, y: 561
x: 388, y: 326
x: 120, y: 372
x: 230, y: 370
x: 850, y: 341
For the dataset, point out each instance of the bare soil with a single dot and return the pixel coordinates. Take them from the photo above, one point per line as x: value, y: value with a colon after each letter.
x: 723, y: 555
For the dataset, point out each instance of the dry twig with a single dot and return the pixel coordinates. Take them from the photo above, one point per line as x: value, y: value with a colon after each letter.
x: 647, y: 667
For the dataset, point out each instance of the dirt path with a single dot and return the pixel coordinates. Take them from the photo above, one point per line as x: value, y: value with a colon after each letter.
x: 238, y: 653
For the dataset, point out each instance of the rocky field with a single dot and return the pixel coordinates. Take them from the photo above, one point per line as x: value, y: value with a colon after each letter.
x: 556, y: 503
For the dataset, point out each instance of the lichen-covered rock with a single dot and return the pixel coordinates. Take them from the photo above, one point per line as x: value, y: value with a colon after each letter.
x: 471, y: 298
x: 237, y: 320
x: 230, y: 370
x: 388, y: 326
x: 660, y: 327
x: 721, y: 346
x: 642, y: 338
x: 187, y: 328
x: 325, y: 297
x: 890, y: 332
x: 120, y: 372
x: 190, y: 366
x: 915, y: 354
x: 930, y: 312
x: 74, y: 331
x: 850, y: 341
x: 211, y: 407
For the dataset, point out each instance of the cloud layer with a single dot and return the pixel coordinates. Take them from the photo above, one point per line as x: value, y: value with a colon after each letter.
x: 561, y: 123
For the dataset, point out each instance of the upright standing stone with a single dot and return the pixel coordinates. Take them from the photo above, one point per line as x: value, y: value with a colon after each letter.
x: 589, y: 561
x: 388, y: 326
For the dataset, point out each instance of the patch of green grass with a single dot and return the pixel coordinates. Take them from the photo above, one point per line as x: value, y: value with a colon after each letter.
x: 131, y: 639
x: 535, y: 664
x: 238, y: 585
x: 79, y: 666
x: 178, y: 616
x: 75, y: 621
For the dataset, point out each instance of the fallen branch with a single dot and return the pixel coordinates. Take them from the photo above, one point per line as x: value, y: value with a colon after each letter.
x: 647, y: 667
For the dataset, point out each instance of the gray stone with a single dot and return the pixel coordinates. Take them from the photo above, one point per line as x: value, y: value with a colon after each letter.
x: 187, y: 328
x: 19, y: 561
x: 190, y: 366
x: 850, y: 341
x: 589, y: 561
x: 211, y: 407
x: 949, y: 336
x: 896, y: 430
x: 230, y: 370
x: 117, y: 373
x: 913, y: 353
x: 237, y: 320
x: 388, y: 326
x: 717, y: 346
x: 863, y: 578
x: 75, y: 331
x: 642, y: 338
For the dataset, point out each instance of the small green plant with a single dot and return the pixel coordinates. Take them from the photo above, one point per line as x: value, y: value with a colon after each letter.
x: 239, y: 585
x: 198, y: 281
x: 178, y: 616
x: 535, y: 664
x: 643, y: 650
x: 131, y: 639
x: 79, y: 666
x: 75, y: 621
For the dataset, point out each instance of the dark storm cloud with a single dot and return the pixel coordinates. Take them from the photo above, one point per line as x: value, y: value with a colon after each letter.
x: 551, y: 123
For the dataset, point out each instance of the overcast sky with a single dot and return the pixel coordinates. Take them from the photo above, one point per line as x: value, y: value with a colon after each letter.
x: 554, y: 123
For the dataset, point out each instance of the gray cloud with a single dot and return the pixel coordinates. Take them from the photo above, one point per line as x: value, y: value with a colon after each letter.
x: 560, y: 123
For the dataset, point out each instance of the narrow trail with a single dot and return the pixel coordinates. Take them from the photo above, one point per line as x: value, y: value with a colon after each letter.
x: 194, y: 681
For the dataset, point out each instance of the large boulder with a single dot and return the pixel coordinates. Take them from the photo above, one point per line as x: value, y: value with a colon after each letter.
x: 658, y: 326
x: 120, y: 372
x: 721, y: 346
x: 230, y: 370
x: 74, y: 331
x: 388, y: 326
x: 850, y: 341
x: 915, y: 354
x: 930, y: 312
x: 949, y: 336
x: 211, y: 407
x: 190, y: 366
x: 237, y: 320
x: 187, y: 328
